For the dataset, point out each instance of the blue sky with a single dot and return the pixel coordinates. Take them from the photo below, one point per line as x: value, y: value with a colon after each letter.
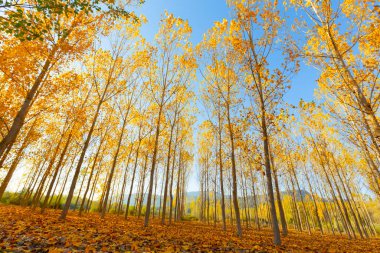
x: 201, y: 15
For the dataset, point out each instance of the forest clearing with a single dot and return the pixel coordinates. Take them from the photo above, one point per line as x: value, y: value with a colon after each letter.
x: 189, y: 126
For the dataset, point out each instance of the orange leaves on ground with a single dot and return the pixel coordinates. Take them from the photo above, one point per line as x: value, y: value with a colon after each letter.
x: 24, y: 230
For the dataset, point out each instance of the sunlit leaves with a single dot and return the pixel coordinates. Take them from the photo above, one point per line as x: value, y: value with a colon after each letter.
x: 30, y: 20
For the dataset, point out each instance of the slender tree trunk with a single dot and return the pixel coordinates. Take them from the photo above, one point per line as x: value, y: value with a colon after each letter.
x: 57, y: 168
x: 157, y: 135
x: 183, y: 191
x: 154, y: 196
x: 215, y: 200
x: 133, y: 176
x: 223, y: 207
x: 58, y: 200
x: 101, y: 201
x: 161, y: 194
x: 92, y: 192
x: 234, y: 178
x: 167, y: 175
x: 231, y: 209
x: 244, y: 188
x: 201, y: 213
x: 81, y: 208
x: 171, y: 190
x: 80, y: 188
x: 122, y: 195
x: 141, y: 198
x: 279, y: 203
x: 268, y: 173
x: 255, y: 202
x: 56, y: 183
x: 178, y: 189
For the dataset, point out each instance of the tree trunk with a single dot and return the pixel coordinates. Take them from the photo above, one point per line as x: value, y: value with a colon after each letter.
x: 122, y: 195
x: 141, y: 198
x: 18, y: 122
x: 279, y: 203
x: 89, y: 180
x: 234, y: 177
x: 57, y: 167
x: 255, y: 202
x: 178, y: 189
x: 171, y: 187
x: 114, y: 165
x: 157, y: 135
x: 133, y: 176
x: 58, y: 200
x: 268, y: 172
x: 314, y: 202
x: 167, y: 175
x: 223, y: 207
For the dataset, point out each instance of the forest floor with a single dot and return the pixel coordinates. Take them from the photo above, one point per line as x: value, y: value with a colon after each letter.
x: 24, y: 230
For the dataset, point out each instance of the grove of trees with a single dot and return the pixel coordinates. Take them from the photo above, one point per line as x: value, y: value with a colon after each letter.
x: 94, y: 117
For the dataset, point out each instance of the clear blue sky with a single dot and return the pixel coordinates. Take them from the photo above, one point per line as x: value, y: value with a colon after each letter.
x: 201, y: 15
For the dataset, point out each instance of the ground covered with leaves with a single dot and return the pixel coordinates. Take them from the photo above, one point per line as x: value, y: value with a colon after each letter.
x: 25, y: 230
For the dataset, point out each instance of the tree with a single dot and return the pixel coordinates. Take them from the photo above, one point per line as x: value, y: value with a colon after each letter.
x: 169, y: 71
x: 259, y: 23
x: 109, y: 78
x: 31, y: 20
x: 222, y: 80
x: 343, y: 42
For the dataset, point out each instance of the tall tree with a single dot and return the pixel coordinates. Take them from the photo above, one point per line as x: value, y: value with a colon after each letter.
x: 169, y: 71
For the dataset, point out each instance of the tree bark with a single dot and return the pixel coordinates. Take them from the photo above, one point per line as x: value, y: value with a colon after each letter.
x: 167, y: 175
x: 268, y: 172
x: 234, y: 177
x: 279, y: 203
x: 223, y: 207
x: 157, y: 135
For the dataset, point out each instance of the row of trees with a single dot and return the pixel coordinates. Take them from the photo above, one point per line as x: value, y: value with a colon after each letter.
x: 248, y: 64
x: 92, y: 111
x: 316, y: 181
